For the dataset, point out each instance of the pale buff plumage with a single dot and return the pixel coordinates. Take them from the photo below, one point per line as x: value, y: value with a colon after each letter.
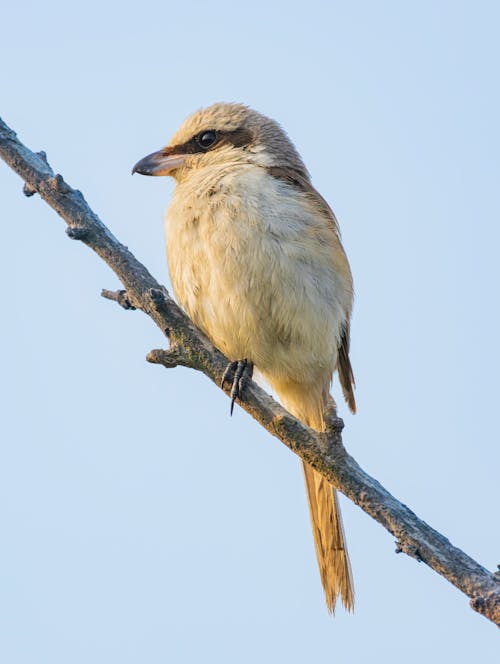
x: 255, y: 259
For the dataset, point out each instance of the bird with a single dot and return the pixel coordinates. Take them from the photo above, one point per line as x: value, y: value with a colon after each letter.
x: 256, y: 260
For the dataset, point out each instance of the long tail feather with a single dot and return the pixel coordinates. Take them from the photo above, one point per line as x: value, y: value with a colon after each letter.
x: 328, y: 532
x: 307, y: 402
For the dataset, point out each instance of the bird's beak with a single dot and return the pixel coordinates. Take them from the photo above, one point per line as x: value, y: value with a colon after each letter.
x: 159, y: 163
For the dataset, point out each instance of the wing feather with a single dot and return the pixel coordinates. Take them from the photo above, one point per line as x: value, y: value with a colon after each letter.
x: 301, y: 180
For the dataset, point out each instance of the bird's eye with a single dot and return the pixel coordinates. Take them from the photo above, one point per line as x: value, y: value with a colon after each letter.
x: 206, y: 139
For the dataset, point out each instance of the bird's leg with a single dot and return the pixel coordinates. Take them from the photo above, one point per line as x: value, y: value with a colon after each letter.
x: 227, y: 373
x: 241, y: 371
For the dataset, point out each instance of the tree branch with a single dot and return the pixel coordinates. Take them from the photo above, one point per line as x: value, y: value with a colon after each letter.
x: 189, y: 347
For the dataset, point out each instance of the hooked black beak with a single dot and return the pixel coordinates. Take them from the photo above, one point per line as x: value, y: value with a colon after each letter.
x: 159, y: 163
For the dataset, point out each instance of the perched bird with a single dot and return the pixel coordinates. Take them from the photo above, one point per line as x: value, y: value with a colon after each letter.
x: 256, y: 261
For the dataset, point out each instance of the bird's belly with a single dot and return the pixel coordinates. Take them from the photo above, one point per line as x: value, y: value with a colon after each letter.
x: 268, y: 298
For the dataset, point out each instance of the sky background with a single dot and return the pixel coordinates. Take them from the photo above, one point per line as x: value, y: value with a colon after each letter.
x: 139, y: 522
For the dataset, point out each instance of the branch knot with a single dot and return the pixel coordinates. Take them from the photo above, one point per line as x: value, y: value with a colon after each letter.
x: 77, y: 232
x: 409, y: 549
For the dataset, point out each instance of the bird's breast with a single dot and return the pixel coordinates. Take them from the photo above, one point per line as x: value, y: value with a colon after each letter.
x: 253, y: 264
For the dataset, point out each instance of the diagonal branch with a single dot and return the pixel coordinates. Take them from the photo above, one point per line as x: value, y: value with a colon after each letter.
x: 189, y: 347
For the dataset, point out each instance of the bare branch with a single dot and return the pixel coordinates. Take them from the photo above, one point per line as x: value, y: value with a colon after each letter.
x: 189, y: 347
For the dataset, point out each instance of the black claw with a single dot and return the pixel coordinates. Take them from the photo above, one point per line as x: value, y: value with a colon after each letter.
x: 241, y: 371
x: 245, y: 376
x: 235, y: 390
x: 227, y: 373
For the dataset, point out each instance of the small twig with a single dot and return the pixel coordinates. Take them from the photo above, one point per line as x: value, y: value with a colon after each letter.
x: 173, y: 357
x: 119, y: 296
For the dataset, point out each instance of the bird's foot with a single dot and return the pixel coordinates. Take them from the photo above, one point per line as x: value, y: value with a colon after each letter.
x: 238, y: 374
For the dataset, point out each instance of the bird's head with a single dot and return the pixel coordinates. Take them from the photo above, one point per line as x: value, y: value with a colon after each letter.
x: 221, y: 135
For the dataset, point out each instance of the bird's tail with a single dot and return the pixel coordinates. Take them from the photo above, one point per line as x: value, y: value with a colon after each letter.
x: 308, y: 404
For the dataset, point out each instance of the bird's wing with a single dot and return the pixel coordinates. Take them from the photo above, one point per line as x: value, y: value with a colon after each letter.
x: 301, y: 181
x: 344, y: 369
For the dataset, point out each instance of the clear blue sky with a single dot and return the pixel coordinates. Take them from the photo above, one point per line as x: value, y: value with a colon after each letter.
x: 139, y: 522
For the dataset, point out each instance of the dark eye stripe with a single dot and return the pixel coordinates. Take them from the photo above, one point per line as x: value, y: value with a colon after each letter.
x: 238, y: 138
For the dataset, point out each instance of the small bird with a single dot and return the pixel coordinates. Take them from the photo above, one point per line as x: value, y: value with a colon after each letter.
x: 256, y: 261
